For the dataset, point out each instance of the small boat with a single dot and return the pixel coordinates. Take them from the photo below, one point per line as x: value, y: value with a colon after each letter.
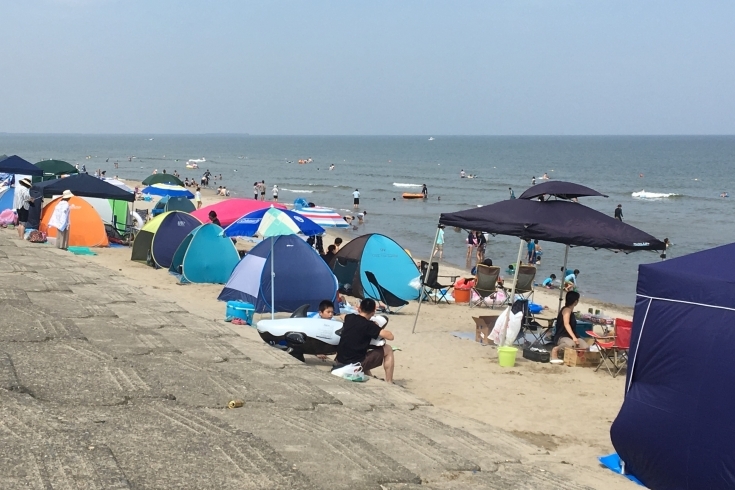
x: 411, y: 195
x: 192, y: 165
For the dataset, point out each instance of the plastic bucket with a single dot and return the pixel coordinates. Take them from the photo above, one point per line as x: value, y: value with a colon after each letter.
x: 461, y: 295
x: 507, y: 356
x: 241, y: 310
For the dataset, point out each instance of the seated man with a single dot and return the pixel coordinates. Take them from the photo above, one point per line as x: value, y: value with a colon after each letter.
x: 355, y: 342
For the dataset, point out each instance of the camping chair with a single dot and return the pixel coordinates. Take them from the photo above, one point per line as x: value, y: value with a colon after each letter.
x: 486, y: 285
x: 524, y: 285
x: 389, y: 299
x: 529, y: 325
x: 143, y: 213
x: 614, y: 350
x: 432, y: 289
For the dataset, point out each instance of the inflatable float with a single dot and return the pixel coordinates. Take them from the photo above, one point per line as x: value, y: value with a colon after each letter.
x: 412, y: 195
x: 299, y: 336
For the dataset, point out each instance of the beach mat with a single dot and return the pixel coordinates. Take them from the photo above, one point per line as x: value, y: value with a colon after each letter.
x: 612, y: 462
x: 118, y: 245
x: 81, y: 251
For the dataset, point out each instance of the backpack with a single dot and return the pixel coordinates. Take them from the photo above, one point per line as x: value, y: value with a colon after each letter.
x: 37, y: 236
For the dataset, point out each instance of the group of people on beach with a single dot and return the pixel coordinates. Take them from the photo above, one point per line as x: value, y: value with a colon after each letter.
x: 259, y: 190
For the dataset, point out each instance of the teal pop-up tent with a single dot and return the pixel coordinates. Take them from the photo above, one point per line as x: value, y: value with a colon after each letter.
x: 205, y: 256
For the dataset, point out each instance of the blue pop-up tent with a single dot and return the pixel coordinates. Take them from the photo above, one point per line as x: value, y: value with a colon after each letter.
x: 676, y: 428
x: 301, y: 276
x: 205, y: 256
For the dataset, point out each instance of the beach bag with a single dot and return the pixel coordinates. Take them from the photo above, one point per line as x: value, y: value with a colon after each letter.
x: 514, y: 326
x: 37, y: 236
x: 348, y: 370
x: 536, y: 354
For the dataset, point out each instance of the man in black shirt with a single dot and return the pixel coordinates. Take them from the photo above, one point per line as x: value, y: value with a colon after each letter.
x: 355, y: 339
x: 331, y: 252
x: 213, y: 218
x: 619, y: 212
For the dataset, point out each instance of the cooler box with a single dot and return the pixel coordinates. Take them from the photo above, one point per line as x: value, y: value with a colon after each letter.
x: 241, y: 310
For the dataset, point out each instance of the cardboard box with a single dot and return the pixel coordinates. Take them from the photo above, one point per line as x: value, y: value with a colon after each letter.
x: 581, y: 358
x: 483, y: 326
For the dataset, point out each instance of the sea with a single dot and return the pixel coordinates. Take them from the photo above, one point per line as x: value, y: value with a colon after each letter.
x: 669, y: 186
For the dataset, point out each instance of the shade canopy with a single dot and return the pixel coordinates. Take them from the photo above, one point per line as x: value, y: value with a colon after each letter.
x: 83, y: 185
x: 553, y: 221
x: 273, y: 222
x: 229, y: 210
x: 324, y: 217
x: 16, y: 165
x: 168, y: 190
x: 675, y: 428
x: 56, y: 167
x: 560, y: 189
x: 162, y: 179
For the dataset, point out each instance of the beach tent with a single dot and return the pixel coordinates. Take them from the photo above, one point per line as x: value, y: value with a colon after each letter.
x: 112, y: 212
x: 676, y: 426
x: 393, y: 268
x: 162, y: 179
x: 53, y: 169
x: 229, y: 210
x: 86, y: 228
x: 84, y: 185
x: 158, y: 240
x: 205, y: 256
x: 168, y: 203
x: 16, y: 165
x: 301, y: 275
x: 6, y: 198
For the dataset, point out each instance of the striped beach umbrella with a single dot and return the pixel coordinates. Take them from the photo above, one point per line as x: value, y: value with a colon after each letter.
x: 168, y: 190
x: 324, y: 217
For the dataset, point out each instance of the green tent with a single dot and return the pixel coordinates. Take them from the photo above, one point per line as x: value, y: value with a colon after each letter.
x: 53, y: 169
x: 162, y: 179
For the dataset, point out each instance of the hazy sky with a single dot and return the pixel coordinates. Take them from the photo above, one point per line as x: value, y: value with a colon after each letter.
x: 368, y: 67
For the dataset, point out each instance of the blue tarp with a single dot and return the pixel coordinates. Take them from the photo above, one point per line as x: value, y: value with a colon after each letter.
x: 676, y: 428
x: 16, y: 165
x: 204, y: 256
x: 302, y: 276
x: 6, y: 198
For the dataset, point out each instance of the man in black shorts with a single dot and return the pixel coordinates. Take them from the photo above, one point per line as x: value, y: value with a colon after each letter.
x: 354, y: 343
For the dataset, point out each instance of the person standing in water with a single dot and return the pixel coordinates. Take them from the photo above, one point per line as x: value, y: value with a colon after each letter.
x: 356, y: 199
x: 462, y: 174
x: 512, y: 194
x: 425, y: 191
x: 439, y: 243
x: 619, y: 212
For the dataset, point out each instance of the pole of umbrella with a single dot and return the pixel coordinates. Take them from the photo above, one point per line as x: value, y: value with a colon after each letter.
x: 273, y: 283
x: 512, y: 293
x: 563, y: 275
x: 424, y: 279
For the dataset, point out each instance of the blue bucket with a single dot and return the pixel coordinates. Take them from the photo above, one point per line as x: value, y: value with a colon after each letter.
x: 239, y: 309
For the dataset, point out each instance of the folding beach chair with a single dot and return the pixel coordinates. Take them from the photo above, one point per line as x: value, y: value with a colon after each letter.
x: 529, y: 325
x: 381, y: 294
x: 432, y: 289
x: 614, y: 349
x: 486, y: 285
x: 143, y: 213
x: 524, y: 285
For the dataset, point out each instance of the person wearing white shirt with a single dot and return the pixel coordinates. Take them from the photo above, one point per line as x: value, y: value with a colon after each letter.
x: 22, y: 204
x: 275, y: 193
x: 198, y: 197
x: 60, y: 220
x: 356, y: 199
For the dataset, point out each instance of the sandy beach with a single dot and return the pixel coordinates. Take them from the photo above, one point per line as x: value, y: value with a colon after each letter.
x: 565, y: 412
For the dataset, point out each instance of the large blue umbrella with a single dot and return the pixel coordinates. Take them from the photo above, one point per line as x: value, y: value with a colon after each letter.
x: 168, y: 190
x: 272, y: 222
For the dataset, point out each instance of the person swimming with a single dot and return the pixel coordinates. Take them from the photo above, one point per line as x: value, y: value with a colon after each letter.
x: 462, y: 174
x: 545, y: 177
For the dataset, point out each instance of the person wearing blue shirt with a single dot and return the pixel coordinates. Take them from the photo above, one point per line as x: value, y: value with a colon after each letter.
x: 570, y: 281
x: 531, y: 256
x: 549, y: 281
x: 439, y: 243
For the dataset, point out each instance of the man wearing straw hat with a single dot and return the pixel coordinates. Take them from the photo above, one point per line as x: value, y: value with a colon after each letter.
x: 60, y: 220
x: 22, y: 204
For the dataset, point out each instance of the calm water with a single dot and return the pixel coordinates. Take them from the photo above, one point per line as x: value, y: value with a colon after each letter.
x: 696, y: 169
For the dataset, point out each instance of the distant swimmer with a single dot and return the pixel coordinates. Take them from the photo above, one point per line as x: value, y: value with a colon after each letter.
x: 462, y: 174
x: 545, y: 177
x: 533, y: 180
x: 619, y: 212
x: 640, y: 175
x: 724, y: 194
x: 331, y: 167
x: 425, y: 191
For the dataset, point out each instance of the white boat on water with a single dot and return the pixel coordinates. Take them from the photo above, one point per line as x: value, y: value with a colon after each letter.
x: 431, y: 138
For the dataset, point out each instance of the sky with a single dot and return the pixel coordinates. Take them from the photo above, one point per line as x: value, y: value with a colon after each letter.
x: 350, y: 67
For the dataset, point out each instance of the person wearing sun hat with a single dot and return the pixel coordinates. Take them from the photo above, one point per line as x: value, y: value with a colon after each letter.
x: 22, y: 204
x: 60, y: 220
